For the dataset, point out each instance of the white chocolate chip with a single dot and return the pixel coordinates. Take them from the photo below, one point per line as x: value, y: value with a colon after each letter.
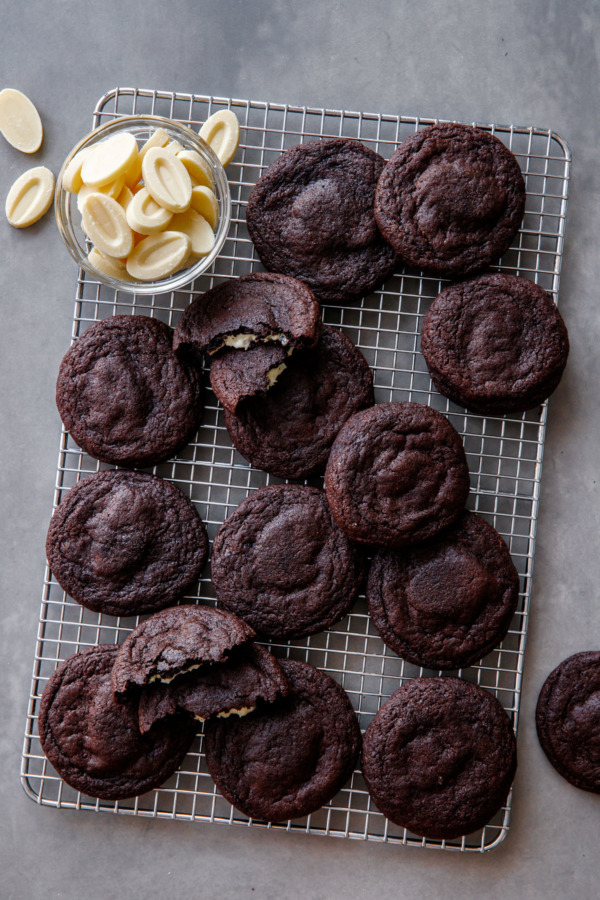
x: 107, y: 265
x: 167, y: 179
x: 221, y: 131
x: 110, y: 159
x: 104, y: 222
x: 145, y: 216
x: 198, y: 168
x: 197, y: 229
x: 30, y: 197
x: 159, y: 255
x: 20, y: 121
x: 71, y: 179
x: 205, y: 202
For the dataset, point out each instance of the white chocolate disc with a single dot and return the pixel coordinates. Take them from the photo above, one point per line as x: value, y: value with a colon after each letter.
x: 107, y: 265
x: 104, y: 222
x: 71, y: 179
x: 205, y: 202
x: 145, y: 216
x: 30, y: 197
x: 199, y: 170
x: 159, y: 255
x: 197, y: 229
x: 20, y: 121
x: 167, y: 179
x: 111, y: 159
x: 221, y: 131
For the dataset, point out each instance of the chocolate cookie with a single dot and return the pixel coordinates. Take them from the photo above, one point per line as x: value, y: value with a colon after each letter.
x: 446, y: 603
x: 237, y: 375
x: 246, y: 311
x: 495, y: 344
x: 288, y: 760
x: 397, y: 474
x: 439, y: 757
x: 126, y: 543
x: 172, y: 642
x: 568, y: 719
x: 281, y: 562
x: 93, y: 742
x: 289, y: 433
x: 310, y: 215
x: 249, y: 677
x: 124, y: 396
x: 450, y: 200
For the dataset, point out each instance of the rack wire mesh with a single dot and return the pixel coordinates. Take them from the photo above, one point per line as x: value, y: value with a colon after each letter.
x: 504, y: 457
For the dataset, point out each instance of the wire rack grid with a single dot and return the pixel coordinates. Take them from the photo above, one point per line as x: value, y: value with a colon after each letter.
x: 504, y: 457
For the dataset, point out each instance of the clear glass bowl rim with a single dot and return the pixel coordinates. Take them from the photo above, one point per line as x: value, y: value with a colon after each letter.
x: 177, y: 131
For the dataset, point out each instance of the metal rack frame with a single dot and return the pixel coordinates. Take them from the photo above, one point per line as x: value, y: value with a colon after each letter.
x: 504, y: 456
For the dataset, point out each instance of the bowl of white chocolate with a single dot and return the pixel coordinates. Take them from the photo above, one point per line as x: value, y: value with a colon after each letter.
x: 143, y: 203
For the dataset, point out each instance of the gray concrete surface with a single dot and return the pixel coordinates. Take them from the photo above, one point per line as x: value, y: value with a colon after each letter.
x: 519, y: 61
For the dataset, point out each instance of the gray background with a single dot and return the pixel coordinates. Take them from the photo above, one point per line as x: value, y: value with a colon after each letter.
x: 507, y: 61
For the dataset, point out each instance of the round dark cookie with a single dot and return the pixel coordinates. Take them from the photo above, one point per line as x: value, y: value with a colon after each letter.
x: 450, y: 200
x: 93, y: 742
x: 289, y: 759
x: 396, y: 475
x: 289, y: 433
x: 123, y: 395
x: 495, y: 344
x: 446, y: 603
x: 282, y: 564
x: 237, y: 375
x: 126, y: 543
x: 439, y: 757
x: 568, y: 719
x: 310, y: 215
x: 263, y: 305
x: 249, y: 677
x: 174, y: 640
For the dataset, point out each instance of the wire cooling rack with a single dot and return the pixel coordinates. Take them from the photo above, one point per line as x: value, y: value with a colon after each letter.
x: 504, y: 457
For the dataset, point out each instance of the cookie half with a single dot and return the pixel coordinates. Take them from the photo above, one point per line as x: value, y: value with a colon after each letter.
x: 123, y: 395
x: 495, y: 344
x: 568, y: 719
x: 289, y: 433
x: 238, y: 375
x: 310, y: 215
x: 446, y: 603
x: 439, y: 757
x: 173, y: 641
x: 239, y: 313
x: 126, y: 543
x: 250, y: 676
x: 450, y: 200
x: 397, y: 474
x: 93, y: 742
x: 282, y: 564
x: 289, y: 759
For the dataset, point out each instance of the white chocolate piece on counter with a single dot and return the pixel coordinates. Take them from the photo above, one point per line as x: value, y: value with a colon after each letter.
x: 221, y: 131
x: 104, y: 222
x: 205, y: 202
x: 198, y: 169
x: 145, y: 216
x: 197, y: 229
x: 20, y: 121
x: 71, y: 179
x: 107, y: 265
x: 159, y: 255
x: 111, y: 159
x: 30, y: 197
x: 167, y: 179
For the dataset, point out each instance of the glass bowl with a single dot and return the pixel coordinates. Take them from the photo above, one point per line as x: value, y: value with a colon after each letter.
x: 68, y: 217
